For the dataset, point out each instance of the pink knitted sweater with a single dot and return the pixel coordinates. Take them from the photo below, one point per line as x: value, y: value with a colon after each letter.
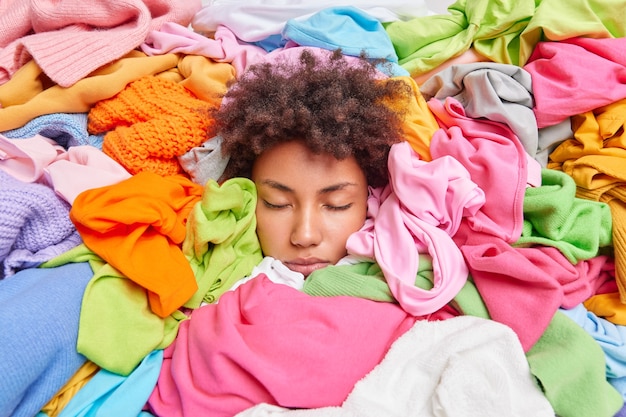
x: 72, y: 38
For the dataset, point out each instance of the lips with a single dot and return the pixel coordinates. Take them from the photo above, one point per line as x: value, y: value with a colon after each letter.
x: 306, y: 266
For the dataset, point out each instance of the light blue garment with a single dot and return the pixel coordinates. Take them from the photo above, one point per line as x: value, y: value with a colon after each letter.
x: 611, y: 338
x: 66, y: 129
x: 39, y: 314
x: 108, y: 394
x: 349, y: 28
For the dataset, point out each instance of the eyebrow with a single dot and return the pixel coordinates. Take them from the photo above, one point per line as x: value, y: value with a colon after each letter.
x: 282, y: 187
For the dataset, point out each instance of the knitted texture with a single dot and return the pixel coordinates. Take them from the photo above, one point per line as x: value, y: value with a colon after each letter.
x: 150, y: 123
x: 70, y: 39
x: 66, y: 129
x: 32, y: 219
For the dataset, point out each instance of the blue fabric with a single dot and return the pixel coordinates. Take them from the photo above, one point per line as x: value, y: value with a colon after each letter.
x: 271, y: 42
x: 39, y: 315
x: 108, y: 394
x: 66, y: 129
x: 612, y: 340
x: 349, y: 28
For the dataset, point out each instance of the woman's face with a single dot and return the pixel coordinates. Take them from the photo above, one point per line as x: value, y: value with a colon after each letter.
x: 308, y: 205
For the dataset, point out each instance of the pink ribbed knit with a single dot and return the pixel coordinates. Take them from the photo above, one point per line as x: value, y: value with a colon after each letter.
x: 72, y: 38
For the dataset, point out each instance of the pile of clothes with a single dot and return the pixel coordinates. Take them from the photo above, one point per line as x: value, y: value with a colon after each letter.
x: 509, y: 300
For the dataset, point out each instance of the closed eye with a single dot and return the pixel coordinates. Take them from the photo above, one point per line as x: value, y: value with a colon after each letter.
x: 339, y: 208
x: 274, y: 206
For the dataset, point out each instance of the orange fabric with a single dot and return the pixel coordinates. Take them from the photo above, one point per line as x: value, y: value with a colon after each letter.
x: 150, y: 123
x: 138, y: 226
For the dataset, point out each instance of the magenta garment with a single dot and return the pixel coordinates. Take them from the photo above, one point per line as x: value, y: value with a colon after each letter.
x: 495, y: 160
x: 524, y: 287
x: 566, y: 76
x: 417, y: 213
x: 267, y: 342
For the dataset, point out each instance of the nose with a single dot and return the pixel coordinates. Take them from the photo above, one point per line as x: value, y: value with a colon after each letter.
x: 306, y: 229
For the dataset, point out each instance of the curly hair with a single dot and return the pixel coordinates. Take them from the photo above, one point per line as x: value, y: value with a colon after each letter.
x: 334, y: 106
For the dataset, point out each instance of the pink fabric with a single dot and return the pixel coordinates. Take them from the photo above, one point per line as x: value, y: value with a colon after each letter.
x: 267, y: 342
x: 224, y: 47
x: 524, y: 287
x: 418, y: 212
x: 69, y: 39
x: 565, y: 76
x: 496, y: 161
x: 26, y: 159
x: 42, y: 160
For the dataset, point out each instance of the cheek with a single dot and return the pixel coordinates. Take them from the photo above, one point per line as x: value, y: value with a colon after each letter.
x: 269, y: 232
x: 342, y: 228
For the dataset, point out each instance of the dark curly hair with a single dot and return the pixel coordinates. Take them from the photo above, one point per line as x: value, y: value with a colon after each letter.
x: 334, y: 106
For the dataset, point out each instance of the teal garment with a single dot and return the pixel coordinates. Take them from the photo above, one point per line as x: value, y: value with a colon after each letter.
x: 502, y: 31
x: 554, y: 216
x: 108, y: 394
x: 221, y: 243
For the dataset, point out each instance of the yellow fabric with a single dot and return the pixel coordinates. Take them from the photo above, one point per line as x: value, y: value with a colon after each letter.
x: 608, y: 306
x: 71, y: 387
x: 80, y: 97
x: 595, y: 158
x: 206, y: 78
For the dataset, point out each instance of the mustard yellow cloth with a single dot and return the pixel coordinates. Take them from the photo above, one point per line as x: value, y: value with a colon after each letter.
x: 596, y: 158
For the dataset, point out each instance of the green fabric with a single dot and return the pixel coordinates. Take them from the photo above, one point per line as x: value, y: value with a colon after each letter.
x: 469, y: 302
x: 492, y: 27
x: 221, y: 244
x: 117, y: 327
x: 557, y: 20
x: 366, y: 280
x: 502, y: 31
x: 363, y: 280
x: 80, y: 253
x: 570, y: 366
x: 554, y: 216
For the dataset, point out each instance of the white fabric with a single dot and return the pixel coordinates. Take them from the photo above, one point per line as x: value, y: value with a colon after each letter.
x: 255, y: 20
x: 460, y: 367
